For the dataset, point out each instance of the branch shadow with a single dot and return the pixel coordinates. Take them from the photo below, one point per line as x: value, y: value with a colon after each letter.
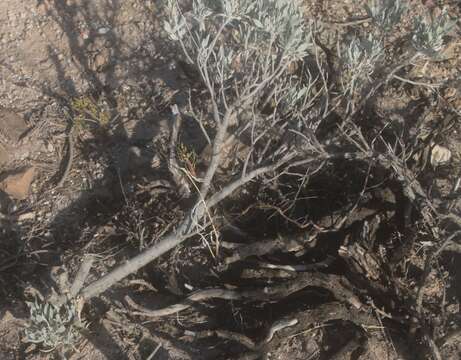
x: 92, y: 31
x: 82, y: 23
x: 101, y: 338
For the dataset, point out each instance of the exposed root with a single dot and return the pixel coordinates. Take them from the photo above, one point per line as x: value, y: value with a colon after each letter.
x: 227, y: 335
x: 294, y: 325
x: 299, y: 267
x: 309, y: 320
x: 277, y: 326
x: 245, y: 340
x: 338, y: 285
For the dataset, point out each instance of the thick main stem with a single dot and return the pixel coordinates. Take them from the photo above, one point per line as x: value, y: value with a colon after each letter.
x: 136, y: 263
x: 183, y: 232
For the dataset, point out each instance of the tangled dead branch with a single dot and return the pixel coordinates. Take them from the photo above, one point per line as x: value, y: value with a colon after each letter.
x: 298, y: 324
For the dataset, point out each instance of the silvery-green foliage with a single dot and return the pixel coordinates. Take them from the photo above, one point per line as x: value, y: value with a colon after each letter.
x: 281, y: 20
x: 176, y: 26
x: 360, y: 58
x: 386, y: 13
x: 245, y: 40
x: 51, y: 325
x: 428, y: 34
x: 299, y: 95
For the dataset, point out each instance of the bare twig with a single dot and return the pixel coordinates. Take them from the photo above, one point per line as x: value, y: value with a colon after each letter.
x: 151, y: 356
x: 70, y: 157
x: 407, y: 60
x: 350, y: 22
x: 417, y: 83
x: 218, y: 143
x: 176, y: 173
x: 286, y: 217
x: 277, y: 326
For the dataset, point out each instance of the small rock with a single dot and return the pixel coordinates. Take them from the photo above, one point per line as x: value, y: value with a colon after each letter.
x: 103, y: 30
x: 440, y: 155
x: 18, y: 185
x: 84, y: 34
